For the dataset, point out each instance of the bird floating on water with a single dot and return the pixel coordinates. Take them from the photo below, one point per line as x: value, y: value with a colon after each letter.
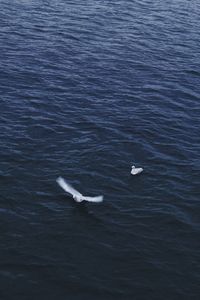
x: 78, y: 197
x: 136, y: 171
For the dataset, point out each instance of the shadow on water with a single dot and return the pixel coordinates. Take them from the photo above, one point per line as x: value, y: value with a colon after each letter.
x: 88, y: 211
x: 64, y: 206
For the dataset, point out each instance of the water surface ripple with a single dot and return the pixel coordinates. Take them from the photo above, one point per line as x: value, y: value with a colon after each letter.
x: 87, y: 89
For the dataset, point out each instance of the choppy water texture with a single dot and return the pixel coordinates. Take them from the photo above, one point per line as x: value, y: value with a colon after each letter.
x: 87, y: 89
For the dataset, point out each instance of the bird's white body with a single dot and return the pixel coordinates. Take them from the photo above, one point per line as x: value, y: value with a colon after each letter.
x: 136, y: 171
x: 78, y: 197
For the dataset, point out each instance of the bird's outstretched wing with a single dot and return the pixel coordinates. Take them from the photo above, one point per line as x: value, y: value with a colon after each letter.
x: 93, y: 199
x: 68, y: 188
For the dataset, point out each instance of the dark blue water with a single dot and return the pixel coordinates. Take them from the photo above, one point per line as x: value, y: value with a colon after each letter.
x: 88, y: 88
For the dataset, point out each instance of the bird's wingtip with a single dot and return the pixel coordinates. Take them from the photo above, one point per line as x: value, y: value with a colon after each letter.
x: 59, y: 178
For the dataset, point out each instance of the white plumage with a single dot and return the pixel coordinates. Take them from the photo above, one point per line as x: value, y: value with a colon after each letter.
x: 136, y: 171
x: 78, y: 197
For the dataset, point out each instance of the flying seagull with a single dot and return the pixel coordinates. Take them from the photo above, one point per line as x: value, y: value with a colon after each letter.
x: 136, y: 171
x: 78, y: 197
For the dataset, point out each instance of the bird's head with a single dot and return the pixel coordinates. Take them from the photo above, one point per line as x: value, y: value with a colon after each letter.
x: 77, y: 198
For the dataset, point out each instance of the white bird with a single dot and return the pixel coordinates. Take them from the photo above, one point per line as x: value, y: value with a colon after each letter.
x: 136, y: 171
x: 78, y: 197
